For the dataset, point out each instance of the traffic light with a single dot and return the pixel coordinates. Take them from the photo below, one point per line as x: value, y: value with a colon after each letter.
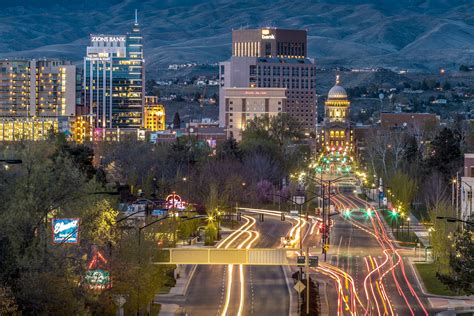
x: 239, y: 216
x: 282, y: 216
x: 261, y: 217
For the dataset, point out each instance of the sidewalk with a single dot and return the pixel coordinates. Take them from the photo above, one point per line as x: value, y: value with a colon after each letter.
x: 170, y: 301
x: 459, y: 303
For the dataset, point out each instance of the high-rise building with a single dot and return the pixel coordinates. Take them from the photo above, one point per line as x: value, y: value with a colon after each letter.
x: 336, y: 133
x: 37, y: 88
x: 269, y: 42
x: 36, y: 97
x: 154, y: 115
x: 114, y: 78
x: 272, y: 58
x: 244, y: 104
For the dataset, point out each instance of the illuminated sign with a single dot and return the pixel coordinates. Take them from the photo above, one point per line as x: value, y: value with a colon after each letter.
x: 266, y: 35
x: 65, y: 230
x: 101, y: 38
x: 159, y: 212
x: 255, y: 92
x: 97, y: 278
x: 175, y: 201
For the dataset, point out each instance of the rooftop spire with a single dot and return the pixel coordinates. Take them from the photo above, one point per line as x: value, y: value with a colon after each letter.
x: 337, y: 80
x: 136, y: 16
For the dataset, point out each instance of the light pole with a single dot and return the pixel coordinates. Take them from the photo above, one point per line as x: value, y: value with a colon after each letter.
x: 408, y: 223
x: 469, y: 197
x: 454, y: 220
x: 8, y: 162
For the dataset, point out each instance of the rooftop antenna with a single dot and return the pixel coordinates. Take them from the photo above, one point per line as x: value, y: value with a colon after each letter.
x: 136, y: 16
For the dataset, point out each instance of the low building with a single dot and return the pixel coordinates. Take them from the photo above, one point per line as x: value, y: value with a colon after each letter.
x: 154, y: 115
x: 27, y: 128
x: 245, y: 104
x: 410, y: 121
x: 82, y: 128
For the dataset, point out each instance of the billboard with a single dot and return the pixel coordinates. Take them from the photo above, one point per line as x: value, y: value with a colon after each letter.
x: 65, y: 230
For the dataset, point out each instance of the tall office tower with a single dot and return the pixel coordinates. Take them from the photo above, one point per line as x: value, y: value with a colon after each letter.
x: 36, y: 96
x: 272, y: 58
x: 114, y: 79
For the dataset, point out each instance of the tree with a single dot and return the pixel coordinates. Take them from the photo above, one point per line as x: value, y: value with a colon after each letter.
x: 404, y: 188
x: 446, y: 86
x: 440, y: 234
x: 461, y: 263
x: 176, y: 121
x: 445, y: 153
x: 229, y: 149
x: 8, y: 305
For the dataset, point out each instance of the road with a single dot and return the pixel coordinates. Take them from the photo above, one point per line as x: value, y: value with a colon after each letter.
x: 365, y: 273
x: 265, y: 291
x: 375, y: 279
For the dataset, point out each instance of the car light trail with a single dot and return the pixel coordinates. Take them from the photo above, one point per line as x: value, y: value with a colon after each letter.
x: 244, y: 229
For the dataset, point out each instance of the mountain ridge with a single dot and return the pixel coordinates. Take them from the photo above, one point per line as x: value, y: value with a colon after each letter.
x: 417, y: 34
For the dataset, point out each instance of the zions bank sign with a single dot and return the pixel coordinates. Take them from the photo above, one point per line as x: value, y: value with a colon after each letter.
x: 101, y: 38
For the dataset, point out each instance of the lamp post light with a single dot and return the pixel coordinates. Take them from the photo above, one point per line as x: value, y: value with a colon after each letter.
x: 9, y: 162
x: 408, y: 223
x: 454, y: 220
x: 469, y: 197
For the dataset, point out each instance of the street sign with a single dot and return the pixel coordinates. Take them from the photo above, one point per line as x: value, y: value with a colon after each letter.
x: 326, y: 247
x: 313, y: 261
x: 159, y: 212
x: 299, y: 287
x: 119, y: 300
x: 300, y: 260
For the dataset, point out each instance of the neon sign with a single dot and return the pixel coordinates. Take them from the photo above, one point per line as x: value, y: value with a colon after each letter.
x: 175, y: 201
x: 65, y: 230
x: 97, y: 278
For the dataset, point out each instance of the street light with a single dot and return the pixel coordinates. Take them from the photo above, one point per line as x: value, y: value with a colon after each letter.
x: 454, y: 219
x: 11, y: 161
x: 408, y: 223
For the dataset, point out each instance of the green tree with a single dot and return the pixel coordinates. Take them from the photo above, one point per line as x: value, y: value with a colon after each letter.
x: 461, y: 263
x: 403, y: 187
x: 441, y: 233
x: 445, y: 153
x: 176, y: 121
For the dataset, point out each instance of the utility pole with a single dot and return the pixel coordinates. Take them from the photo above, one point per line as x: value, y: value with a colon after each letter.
x: 307, y: 280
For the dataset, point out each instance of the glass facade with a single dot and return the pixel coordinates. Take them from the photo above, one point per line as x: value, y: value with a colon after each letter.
x: 114, y: 80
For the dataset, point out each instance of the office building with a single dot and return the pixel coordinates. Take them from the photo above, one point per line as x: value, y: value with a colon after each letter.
x: 244, y: 104
x: 154, y: 115
x: 272, y: 66
x: 114, y: 77
x: 269, y: 42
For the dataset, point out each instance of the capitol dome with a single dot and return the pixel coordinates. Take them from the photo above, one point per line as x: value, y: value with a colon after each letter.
x: 337, y: 92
